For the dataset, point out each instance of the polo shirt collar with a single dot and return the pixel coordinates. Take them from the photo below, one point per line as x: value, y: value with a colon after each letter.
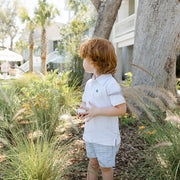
x: 102, y: 78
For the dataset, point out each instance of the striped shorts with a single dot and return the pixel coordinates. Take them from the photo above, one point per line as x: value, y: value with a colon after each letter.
x: 105, y: 154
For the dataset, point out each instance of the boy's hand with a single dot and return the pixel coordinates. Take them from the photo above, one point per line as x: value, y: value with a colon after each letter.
x: 94, y: 111
x: 81, y: 112
x: 90, y: 112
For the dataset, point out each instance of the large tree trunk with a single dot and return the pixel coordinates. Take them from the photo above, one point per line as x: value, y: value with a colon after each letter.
x: 31, y: 49
x: 157, y: 42
x: 107, y: 13
x: 43, y: 51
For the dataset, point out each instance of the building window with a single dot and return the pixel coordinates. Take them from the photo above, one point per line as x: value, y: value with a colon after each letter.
x: 131, y: 7
x: 55, y: 44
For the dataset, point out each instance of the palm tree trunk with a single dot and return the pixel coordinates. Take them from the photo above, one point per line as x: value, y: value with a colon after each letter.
x: 12, y: 63
x: 43, y: 51
x: 11, y: 45
x: 31, y: 49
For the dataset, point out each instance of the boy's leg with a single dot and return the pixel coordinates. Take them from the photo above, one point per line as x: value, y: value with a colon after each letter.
x: 107, y: 173
x: 93, y: 169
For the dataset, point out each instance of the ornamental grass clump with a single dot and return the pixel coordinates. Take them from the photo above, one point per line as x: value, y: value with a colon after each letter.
x: 144, y: 100
x: 167, y: 149
x: 150, y: 102
x: 164, y: 139
x: 26, y: 159
x: 160, y: 131
x: 152, y: 107
x: 9, y: 104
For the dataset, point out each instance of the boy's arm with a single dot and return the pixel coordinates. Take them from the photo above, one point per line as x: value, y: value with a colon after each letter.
x: 106, y: 111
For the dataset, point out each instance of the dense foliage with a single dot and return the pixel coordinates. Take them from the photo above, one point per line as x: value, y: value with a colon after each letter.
x: 73, y: 34
x: 30, y: 112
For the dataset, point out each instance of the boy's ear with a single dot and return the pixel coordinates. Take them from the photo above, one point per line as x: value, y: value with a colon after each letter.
x: 92, y: 61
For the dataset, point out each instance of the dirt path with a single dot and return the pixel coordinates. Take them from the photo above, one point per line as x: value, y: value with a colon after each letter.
x: 130, y: 160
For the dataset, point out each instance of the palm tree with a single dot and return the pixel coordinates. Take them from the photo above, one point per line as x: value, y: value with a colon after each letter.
x: 44, y: 14
x: 31, y: 23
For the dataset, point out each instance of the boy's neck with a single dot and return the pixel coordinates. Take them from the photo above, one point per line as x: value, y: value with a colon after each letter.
x: 96, y: 75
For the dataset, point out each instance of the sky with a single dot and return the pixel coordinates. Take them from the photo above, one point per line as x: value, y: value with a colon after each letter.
x: 59, y: 4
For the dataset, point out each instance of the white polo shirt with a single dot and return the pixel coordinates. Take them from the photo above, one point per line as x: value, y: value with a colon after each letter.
x: 103, y: 91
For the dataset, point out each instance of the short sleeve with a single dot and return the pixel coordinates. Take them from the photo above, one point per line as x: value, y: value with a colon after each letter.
x: 115, y: 94
x: 84, y: 96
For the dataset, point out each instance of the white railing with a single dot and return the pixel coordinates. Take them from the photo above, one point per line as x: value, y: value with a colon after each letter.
x: 51, y: 56
x: 25, y: 67
x: 125, y: 26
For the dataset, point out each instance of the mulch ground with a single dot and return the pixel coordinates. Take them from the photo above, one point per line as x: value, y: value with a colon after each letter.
x: 131, y: 159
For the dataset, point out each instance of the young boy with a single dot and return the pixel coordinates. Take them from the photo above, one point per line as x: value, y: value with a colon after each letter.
x: 103, y: 102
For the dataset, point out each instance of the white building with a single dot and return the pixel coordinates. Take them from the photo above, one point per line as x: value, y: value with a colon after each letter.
x: 53, y: 37
x: 122, y: 35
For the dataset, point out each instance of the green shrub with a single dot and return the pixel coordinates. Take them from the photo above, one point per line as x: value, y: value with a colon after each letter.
x: 128, y: 80
x: 127, y: 119
x: 24, y: 81
x: 178, y: 84
x: 34, y: 109
x: 41, y: 101
x: 48, y: 97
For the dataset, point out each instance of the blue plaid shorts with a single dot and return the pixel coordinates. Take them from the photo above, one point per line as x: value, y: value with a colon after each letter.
x: 105, y: 155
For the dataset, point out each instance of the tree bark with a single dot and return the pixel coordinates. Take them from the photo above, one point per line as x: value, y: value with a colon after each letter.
x: 11, y: 44
x: 31, y: 50
x: 96, y: 4
x: 157, y: 42
x: 107, y: 13
x: 43, y: 51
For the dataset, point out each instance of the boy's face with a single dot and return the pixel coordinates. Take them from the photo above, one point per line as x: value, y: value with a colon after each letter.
x: 88, y: 66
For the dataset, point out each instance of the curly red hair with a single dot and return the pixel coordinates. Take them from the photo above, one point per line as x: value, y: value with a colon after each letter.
x: 102, y: 54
